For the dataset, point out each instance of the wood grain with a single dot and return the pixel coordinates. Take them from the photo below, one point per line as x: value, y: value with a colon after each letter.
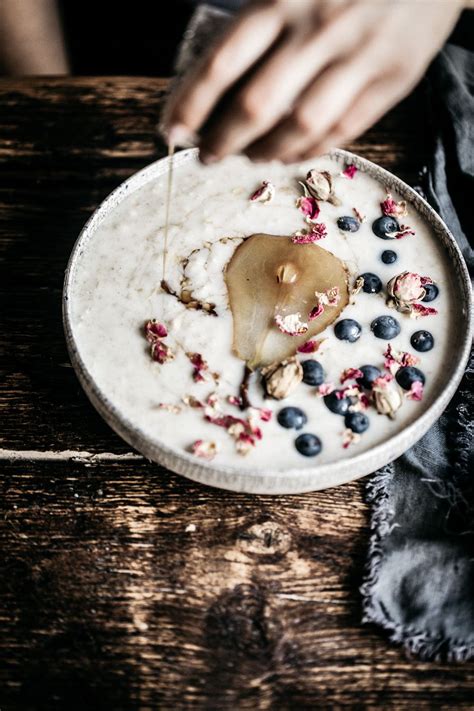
x: 123, y: 586
x: 128, y: 587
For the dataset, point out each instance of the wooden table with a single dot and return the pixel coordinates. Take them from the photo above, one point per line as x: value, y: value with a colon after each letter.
x: 125, y: 586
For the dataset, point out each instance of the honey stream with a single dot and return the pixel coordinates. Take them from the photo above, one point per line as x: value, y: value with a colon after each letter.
x: 169, y: 191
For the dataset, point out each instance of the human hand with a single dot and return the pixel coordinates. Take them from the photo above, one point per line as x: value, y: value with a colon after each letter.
x: 310, y: 74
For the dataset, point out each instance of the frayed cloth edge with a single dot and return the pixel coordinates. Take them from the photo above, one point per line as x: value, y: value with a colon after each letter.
x: 414, y: 642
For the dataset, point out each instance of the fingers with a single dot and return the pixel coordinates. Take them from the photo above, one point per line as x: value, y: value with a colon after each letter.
x: 320, y: 106
x: 366, y: 109
x: 269, y: 94
x: 249, y: 36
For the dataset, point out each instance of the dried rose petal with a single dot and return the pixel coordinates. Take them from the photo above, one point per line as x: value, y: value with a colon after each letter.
x: 309, y: 207
x: 244, y: 444
x: 265, y: 193
x: 316, y: 232
x: 155, y: 330
x: 404, y: 231
x: 311, y: 346
x: 351, y: 374
x: 204, y: 449
x: 325, y: 389
x: 280, y: 379
x: 359, y: 216
x: 192, y: 401
x: 235, y: 400
x: 382, y: 380
x: 201, y: 370
x: 349, y: 437
x: 356, y: 288
x: 416, y: 391
x: 315, y: 312
x: 330, y: 297
x: 161, y: 353
x: 394, y: 360
x: 421, y: 310
x: 169, y: 407
x: 350, y: 171
x: 291, y: 324
x: 392, y: 208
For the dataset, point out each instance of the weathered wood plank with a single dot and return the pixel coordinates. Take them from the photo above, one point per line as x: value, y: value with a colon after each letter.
x: 124, y: 586
x: 64, y: 144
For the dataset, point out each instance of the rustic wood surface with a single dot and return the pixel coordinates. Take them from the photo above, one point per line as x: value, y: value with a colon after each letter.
x: 122, y: 585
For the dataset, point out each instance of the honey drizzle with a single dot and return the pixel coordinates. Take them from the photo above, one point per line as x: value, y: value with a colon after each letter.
x: 169, y: 191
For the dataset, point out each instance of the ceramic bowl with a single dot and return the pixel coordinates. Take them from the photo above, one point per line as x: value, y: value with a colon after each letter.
x: 273, y: 481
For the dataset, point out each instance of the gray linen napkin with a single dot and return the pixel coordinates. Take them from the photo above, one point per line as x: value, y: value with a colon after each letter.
x: 420, y: 577
x: 419, y: 582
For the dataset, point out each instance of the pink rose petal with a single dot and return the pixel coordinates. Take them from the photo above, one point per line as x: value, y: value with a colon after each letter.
x: 349, y: 171
x: 309, y: 207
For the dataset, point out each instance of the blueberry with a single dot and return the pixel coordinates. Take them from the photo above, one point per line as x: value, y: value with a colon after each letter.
x: 389, y: 256
x: 292, y: 417
x: 371, y: 372
x: 408, y: 375
x: 347, y: 330
x: 432, y: 292
x: 372, y: 283
x: 313, y: 373
x: 308, y: 444
x: 357, y: 422
x: 422, y: 341
x: 348, y: 224
x: 385, y: 327
x: 384, y: 226
x: 336, y: 405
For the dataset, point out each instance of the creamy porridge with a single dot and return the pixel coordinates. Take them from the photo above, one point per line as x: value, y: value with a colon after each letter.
x: 171, y: 357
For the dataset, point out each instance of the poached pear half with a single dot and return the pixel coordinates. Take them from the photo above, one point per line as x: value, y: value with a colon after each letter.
x: 269, y: 275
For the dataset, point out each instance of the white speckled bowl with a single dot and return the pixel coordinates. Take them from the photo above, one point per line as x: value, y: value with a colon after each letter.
x: 273, y: 481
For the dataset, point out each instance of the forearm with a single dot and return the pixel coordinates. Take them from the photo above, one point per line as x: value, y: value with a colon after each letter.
x: 31, y: 40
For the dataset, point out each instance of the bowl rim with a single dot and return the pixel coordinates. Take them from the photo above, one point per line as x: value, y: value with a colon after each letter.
x: 257, y: 480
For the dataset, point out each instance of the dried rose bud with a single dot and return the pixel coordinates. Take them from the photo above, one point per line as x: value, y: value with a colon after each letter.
x: 403, y: 290
x: 280, y: 379
x: 387, y: 399
x: 265, y: 193
x: 309, y: 207
x: 203, y: 449
x: 155, y: 330
x: 161, y: 353
x: 319, y: 185
x: 291, y: 324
